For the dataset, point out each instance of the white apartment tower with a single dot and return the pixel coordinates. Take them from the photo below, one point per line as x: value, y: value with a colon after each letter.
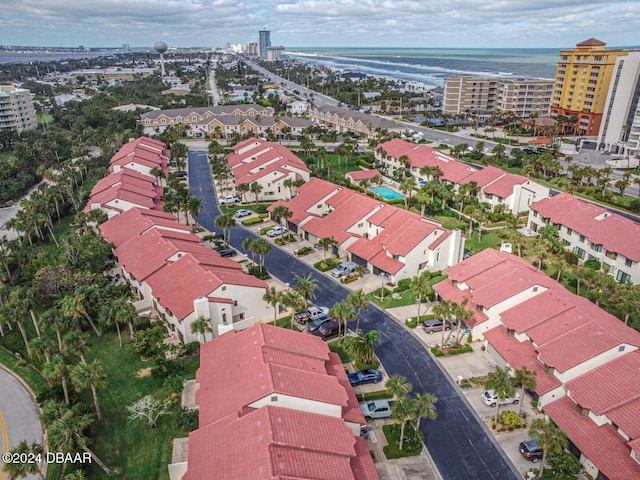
x: 16, y: 109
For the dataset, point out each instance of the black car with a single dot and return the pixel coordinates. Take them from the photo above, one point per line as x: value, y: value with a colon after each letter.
x: 226, y: 252
x: 531, y: 450
x: 181, y: 173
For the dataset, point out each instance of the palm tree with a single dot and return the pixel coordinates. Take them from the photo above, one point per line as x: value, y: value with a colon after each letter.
x: 92, y: 376
x: 66, y: 433
x: 201, y: 326
x: 444, y: 310
x: 293, y: 300
x: 194, y: 207
x: 326, y: 243
x: 306, y: 286
x: 283, y: 214
x: 359, y: 301
x: 56, y: 369
x: 225, y: 222
x: 255, y: 188
x: 13, y: 309
x: 500, y: 382
x: 361, y: 345
x: 22, y: 469
x: 72, y: 306
x: 398, y: 386
x: 272, y: 297
x: 342, y: 312
x: 420, y: 286
x: 424, y: 407
x: 261, y: 248
x: 526, y: 380
x: 550, y: 437
x: 402, y: 411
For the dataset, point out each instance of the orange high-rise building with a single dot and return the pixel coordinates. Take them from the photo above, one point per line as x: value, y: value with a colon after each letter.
x: 582, y: 83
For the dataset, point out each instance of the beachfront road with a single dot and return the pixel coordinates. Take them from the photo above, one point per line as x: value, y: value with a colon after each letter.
x: 19, y: 417
x: 457, y: 441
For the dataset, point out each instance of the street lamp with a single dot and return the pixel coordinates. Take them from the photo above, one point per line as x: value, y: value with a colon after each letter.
x: 383, y: 277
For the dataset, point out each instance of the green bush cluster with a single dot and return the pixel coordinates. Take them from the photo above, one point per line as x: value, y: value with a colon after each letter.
x: 326, y: 265
x: 264, y: 230
x: 378, y: 395
x: 261, y: 208
x: 437, y: 352
x: 252, y: 221
x: 303, y: 251
x: 256, y: 271
x: 411, y: 446
x: 458, y: 351
x: 403, y: 285
x: 363, y: 163
x: 352, y: 277
x: 509, y: 418
x: 411, y: 322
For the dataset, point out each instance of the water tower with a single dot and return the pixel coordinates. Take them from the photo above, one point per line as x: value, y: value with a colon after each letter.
x: 161, y: 47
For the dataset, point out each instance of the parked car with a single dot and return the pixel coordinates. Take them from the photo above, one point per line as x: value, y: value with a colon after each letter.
x: 531, y: 450
x: 311, y: 314
x: 313, y: 325
x: 491, y: 398
x: 275, y: 231
x: 376, y: 409
x: 243, y: 212
x: 344, y: 269
x: 329, y: 330
x: 181, y: 173
x: 436, y: 325
x: 362, y: 377
x: 226, y: 252
x: 229, y: 199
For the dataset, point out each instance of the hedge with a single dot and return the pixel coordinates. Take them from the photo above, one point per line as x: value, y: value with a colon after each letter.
x: 363, y: 163
x: 326, y: 265
x: 266, y: 229
x: 303, y: 251
x: 411, y: 322
x: 403, y: 285
x: 252, y: 221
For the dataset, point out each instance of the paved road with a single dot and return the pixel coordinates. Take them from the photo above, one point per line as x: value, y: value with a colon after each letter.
x: 457, y: 441
x: 19, y: 419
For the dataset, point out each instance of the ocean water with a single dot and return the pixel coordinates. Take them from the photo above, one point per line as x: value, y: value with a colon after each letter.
x: 431, y: 65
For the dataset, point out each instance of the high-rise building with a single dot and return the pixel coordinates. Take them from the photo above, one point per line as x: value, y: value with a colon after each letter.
x: 265, y: 42
x: 251, y: 49
x: 16, y: 109
x: 582, y: 82
x: 620, y: 129
x: 485, y: 95
x: 274, y: 53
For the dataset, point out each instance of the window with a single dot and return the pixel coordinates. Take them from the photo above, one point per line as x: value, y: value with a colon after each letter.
x: 511, y: 332
x: 621, y: 348
x: 274, y: 398
x: 579, y: 252
x: 596, y: 247
x: 582, y: 238
x: 548, y: 370
x: 628, y: 262
x: 582, y: 411
x: 622, y: 277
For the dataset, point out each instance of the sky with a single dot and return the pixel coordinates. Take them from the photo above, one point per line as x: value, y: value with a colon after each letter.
x: 320, y: 23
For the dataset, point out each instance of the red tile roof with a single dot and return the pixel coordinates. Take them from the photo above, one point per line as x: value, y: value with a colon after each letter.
x: 270, y: 373
x: 614, y: 232
x: 521, y: 354
x: 111, y: 198
x: 535, y: 311
x: 352, y: 412
x: 602, y: 445
x: 358, y: 175
x: 127, y: 177
x: 278, y: 443
x: 121, y: 228
x: 423, y: 155
x: 485, y: 176
x: 178, y: 284
x: 627, y: 418
x: 309, y: 195
x: 608, y: 386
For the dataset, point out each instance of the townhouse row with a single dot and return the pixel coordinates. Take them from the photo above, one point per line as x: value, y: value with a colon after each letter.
x: 224, y: 121
x: 274, y: 403
x: 346, y: 120
x: 495, y: 186
x: 386, y: 240
x: 587, y: 361
x: 170, y: 269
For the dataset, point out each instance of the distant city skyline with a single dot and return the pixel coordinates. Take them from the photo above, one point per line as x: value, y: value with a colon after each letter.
x: 321, y: 23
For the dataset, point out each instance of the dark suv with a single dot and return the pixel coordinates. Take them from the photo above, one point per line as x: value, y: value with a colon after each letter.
x: 530, y: 450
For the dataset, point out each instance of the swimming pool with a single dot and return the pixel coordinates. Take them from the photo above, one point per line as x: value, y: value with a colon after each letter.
x: 386, y: 193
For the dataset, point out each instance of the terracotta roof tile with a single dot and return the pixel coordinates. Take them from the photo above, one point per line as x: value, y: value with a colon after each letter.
x: 121, y: 228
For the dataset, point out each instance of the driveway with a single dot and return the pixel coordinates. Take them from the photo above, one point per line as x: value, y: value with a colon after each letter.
x: 456, y: 440
x: 19, y: 416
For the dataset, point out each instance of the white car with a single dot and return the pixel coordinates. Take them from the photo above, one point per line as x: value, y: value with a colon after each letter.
x: 275, y: 231
x: 229, y: 199
x: 491, y: 398
x: 243, y: 212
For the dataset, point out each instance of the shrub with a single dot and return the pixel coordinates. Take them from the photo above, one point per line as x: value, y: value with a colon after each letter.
x: 534, y: 403
x: 252, y: 221
x: 412, y: 444
x: 458, y: 351
x: 509, y: 418
x: 279, y: 242
x: 327, y: 264
x: 437, y: 352
x: 593, y: 264
x: 261, y: 208
x: 256, y: 271
x: 265, y: 229
x: 403, y: 285
x: 411, y: 322
x: 379, y: 395
x: 191, y: 348
x: 303, y: 251
x: 352, y: 277
x: 363, y: 163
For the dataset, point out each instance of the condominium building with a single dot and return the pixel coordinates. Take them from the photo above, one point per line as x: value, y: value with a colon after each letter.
x: 264, y: 42
x: 274, y: 53
x: 620, y: 129
x: 16, y: 109
x: 582, y: 82
x: 484, y: 95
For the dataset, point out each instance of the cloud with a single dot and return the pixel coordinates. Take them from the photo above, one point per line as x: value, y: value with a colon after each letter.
x: 426, y: 23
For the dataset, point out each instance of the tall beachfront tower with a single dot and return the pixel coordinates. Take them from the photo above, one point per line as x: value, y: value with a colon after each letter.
x: 17, y: 112
x: 265, y: 42
x: 582, y: 83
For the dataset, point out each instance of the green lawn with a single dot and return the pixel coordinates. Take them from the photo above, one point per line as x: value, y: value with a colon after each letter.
x: 408, y: 297
x: 137, y: 450
x: 337, y: 165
